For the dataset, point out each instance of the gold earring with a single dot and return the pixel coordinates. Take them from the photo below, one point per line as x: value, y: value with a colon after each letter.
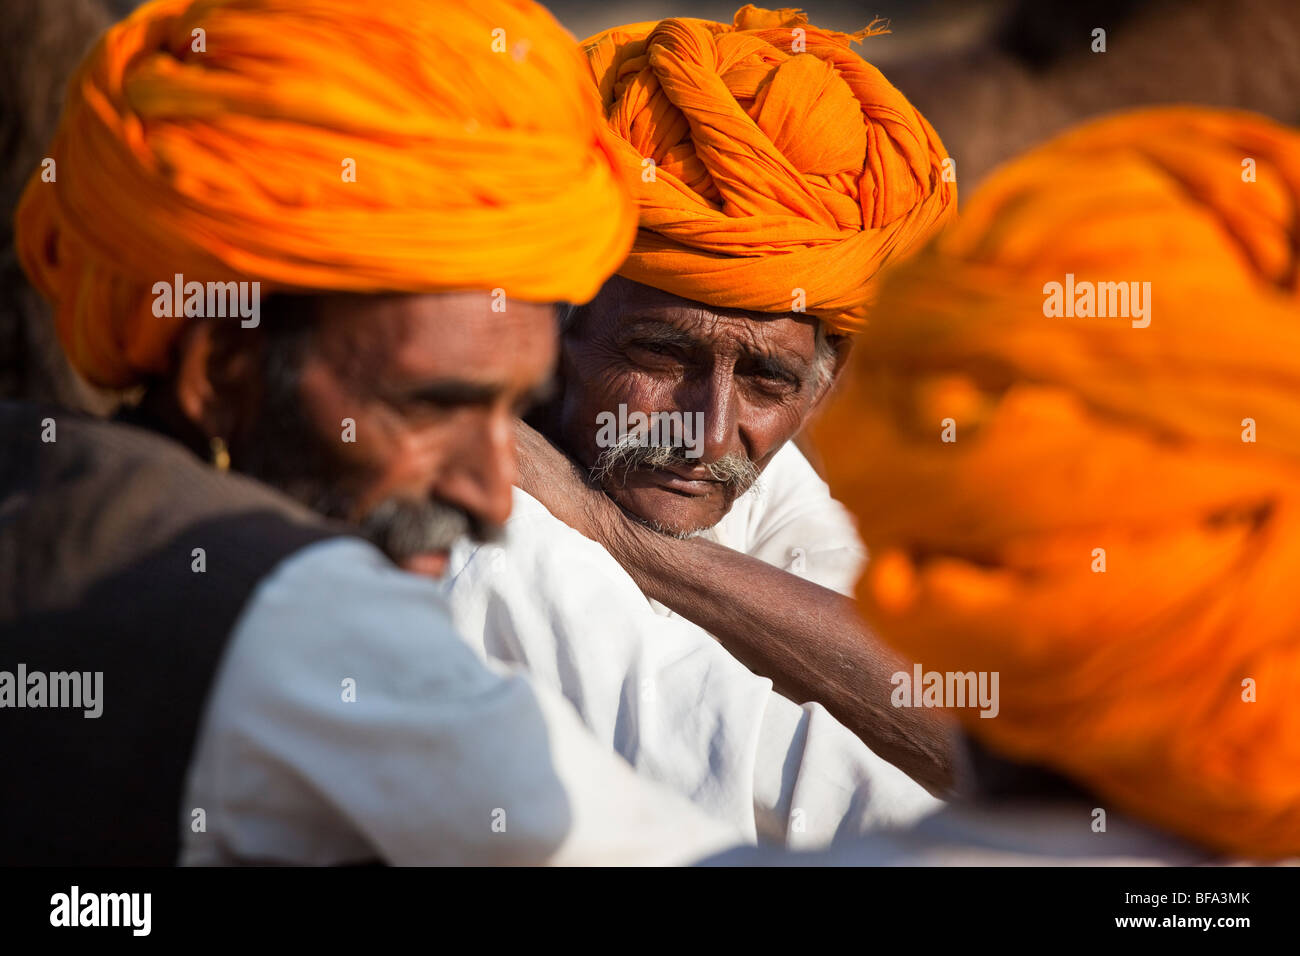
x: 220, y: 454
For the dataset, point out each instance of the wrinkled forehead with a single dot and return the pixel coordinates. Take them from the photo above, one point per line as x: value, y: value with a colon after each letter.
x: 624, y: 307
x: 444, y: 335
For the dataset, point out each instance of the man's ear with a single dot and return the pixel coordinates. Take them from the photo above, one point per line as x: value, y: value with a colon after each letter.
x: 216, y: 382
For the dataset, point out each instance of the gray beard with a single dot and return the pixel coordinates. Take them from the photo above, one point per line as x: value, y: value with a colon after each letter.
x: 297, y: 463
x: 402, y: 527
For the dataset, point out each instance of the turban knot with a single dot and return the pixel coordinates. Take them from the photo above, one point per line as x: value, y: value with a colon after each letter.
x: 768, y: 160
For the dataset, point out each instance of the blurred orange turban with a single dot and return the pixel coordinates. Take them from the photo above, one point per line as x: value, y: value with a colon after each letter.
x: 213, y: 138
x: 782, y: 160
x: 1115, y: 529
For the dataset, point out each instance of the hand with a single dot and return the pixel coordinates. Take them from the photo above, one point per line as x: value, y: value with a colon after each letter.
x: 558, y: 482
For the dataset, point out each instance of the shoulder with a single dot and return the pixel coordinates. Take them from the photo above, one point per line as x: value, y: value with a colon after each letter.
x: 340, y: 608
x: 788, y: 487
x: 542, y: 551
x: 791, y: 478
x: 793, y: 521
x: 69, y: 449
x: 94, y: 479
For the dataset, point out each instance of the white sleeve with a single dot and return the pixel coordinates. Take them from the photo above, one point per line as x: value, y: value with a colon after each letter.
x: 668, y: 697
x: 802, y: 528
x: 347, y: 722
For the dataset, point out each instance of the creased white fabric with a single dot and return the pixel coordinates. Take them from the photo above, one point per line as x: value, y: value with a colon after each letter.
x: 789, y: 520
x: 1021, y: 832
x: 439, y: 759
x: 664, y: 694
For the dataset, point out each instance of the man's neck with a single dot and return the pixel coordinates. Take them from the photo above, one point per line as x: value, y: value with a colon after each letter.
x: 158, y: 411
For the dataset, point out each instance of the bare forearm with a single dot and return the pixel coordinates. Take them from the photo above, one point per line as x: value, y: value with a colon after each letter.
x: 807, y: 639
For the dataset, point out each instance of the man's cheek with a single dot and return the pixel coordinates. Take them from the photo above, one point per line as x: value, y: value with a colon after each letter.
x: 769, y: 430
x: 408, y: 460
x: 357, y: 429
x: 392, y: 460
x: 581, y: 405
x: 627, y: 391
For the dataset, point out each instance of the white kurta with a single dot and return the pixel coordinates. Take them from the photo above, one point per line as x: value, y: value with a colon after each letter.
x: 1010, y: 832
x: 347, y: 723
x: 661, y: 691
x: 790, y: 520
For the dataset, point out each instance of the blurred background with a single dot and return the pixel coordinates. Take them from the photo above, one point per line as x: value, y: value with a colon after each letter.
x: 993, y: 76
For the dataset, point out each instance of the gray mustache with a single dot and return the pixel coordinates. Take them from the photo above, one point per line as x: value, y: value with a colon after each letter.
x: 402, y: 527
x: 612, y: 466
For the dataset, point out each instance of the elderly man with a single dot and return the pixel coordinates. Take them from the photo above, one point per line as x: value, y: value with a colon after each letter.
x: 776, y: 173
x: 195, y: 664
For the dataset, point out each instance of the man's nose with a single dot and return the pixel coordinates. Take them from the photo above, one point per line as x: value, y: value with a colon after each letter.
x: 714, y: 396
x: 482, y: 469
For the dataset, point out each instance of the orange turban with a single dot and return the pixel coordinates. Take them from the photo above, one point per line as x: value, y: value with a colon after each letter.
x: 1115, y: 529
x: 218, y: 138
x: 782, y: 161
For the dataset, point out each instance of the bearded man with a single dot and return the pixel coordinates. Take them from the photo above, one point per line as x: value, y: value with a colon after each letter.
x: 199, y: 668
x: 776, y: 173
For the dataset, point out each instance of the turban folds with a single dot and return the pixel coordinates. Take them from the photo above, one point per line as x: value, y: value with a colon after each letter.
x: 781, y: 161
x: 1115, y: 529
x: 213, y: 138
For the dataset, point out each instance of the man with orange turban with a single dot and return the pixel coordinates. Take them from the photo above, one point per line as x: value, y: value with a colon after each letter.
x: 1088, y: 395
x: 196, y: 666
x: 776, y: 173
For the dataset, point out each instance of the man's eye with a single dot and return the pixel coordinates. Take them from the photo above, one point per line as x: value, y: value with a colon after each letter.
x: 434, y: 403
x: 654, y: 348
x: 421, y: 411
x: 775, y: 381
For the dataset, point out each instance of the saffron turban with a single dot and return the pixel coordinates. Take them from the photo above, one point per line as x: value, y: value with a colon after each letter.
x: 782, y: 161
x: 406, y: 146
x: 1115, y: 529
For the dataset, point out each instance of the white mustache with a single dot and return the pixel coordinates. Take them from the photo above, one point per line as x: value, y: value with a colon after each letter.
x: 614, y: 464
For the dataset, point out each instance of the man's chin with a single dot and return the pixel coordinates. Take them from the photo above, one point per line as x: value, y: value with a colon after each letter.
x: 671, y: 512
x: 429, y: 564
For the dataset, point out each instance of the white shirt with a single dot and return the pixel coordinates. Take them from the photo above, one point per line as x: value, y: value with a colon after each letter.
x: 663, y: 693
x: 789, y: 520
x: 1019, y: 832
x: 435, y: 760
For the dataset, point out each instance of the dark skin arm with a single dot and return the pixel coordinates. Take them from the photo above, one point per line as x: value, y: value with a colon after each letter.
x: 808, y: 640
